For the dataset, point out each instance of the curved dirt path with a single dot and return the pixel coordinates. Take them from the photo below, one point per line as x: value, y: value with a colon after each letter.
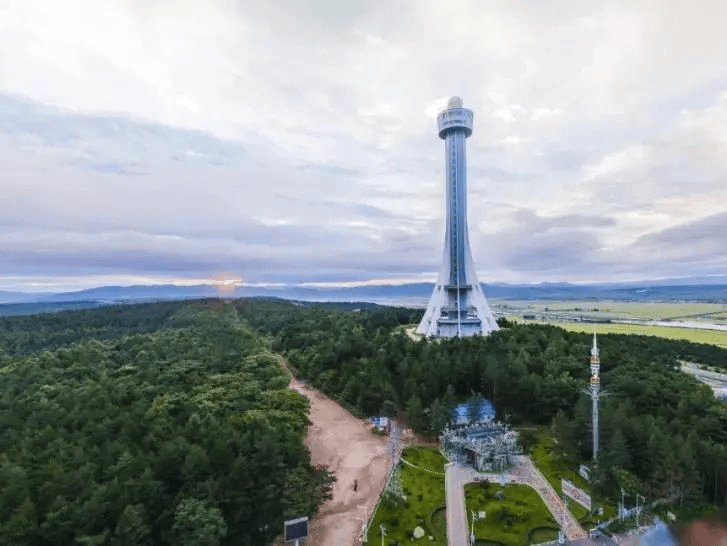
x: 352, y: 452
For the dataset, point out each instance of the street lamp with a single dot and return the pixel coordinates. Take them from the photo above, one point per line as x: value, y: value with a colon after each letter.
x: 638, y: 510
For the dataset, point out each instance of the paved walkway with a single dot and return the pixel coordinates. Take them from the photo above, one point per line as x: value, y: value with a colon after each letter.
x: 456, y: 476
x: 531, y: 476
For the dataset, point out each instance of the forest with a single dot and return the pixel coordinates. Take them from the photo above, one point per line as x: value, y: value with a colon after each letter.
x: 164, y: 423
x: 172, y: 423
x: 662, y: 432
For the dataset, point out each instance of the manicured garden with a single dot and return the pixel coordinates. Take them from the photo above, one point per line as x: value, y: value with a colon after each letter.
x: 423, y: 507
x: 514, y: 514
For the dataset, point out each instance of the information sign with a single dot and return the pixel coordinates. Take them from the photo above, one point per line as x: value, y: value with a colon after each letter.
x: 296, y: 529
x: 578, y: 495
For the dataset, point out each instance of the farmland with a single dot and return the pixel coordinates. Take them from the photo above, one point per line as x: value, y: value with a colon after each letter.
x: 696, y: 335
x: 694, y: 321
x: 613, y: 310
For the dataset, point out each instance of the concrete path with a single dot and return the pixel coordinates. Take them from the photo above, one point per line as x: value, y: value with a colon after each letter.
x: 717, y: 381
x: 455, y: 477
x: 527, y: 473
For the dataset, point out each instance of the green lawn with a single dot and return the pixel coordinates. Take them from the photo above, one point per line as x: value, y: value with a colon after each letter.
x: 425, y: 496
x: 510, y: 520
x: 427, y: 457
x: 697, y: 335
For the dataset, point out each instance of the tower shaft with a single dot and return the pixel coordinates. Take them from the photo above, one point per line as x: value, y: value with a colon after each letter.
x: 595, y: 426
x: 458, y: 306
x: 595, y: 392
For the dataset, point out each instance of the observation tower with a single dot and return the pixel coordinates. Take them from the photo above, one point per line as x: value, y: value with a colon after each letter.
x: 458, y: 307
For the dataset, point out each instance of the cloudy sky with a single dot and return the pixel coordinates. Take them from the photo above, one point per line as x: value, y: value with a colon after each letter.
x: 294, y: 141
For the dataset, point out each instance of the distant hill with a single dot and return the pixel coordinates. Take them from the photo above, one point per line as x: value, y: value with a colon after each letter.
x: 414, y: 294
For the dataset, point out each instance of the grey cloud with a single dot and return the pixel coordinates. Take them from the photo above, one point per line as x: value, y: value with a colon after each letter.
x: 494, y: 173
x: 698, y: 241
x: 335, y: 170
x: 130, y: 169
x: 563, y: 253
x: 530, y: 222
x: 569, y: 159
x: 321, y: 18
x: 103, y: 136
x: 543, y: 246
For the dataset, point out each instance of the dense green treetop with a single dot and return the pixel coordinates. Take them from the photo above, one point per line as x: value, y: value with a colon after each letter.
x: 187, y: 434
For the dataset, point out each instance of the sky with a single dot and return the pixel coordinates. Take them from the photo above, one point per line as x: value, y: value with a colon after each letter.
x: 295, y: 141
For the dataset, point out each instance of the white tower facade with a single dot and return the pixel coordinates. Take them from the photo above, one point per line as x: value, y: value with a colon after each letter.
x: 458, y: 307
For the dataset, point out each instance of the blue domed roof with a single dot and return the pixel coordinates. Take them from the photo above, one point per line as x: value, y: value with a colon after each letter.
x: 462, y: 413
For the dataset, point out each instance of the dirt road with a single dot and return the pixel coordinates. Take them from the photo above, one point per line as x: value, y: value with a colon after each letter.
x: 346, y: 445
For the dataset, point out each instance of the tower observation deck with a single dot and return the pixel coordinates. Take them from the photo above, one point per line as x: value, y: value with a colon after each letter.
x: 458, y: 307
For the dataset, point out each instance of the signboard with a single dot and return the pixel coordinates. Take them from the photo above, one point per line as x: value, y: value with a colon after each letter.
x: 576, y: 494
x: 295, y: 529
x: 585, y: 472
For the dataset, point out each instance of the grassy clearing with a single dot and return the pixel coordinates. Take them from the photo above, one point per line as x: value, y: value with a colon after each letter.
x: 427, y: 457
x: 425, y: 496
x: 512, y: 519
x: 712, y: 337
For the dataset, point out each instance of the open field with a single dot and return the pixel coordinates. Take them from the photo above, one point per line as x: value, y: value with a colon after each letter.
x: 697, y: 335
x: 610, y: 310
x: 691, y: 320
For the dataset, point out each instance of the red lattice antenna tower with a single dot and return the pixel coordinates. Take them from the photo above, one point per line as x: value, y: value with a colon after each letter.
x: 595, y: 390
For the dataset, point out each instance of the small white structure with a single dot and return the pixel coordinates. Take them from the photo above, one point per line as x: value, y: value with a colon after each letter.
x: 380, y: 423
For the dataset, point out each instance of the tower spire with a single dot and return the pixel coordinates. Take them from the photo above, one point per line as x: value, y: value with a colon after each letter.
x: 458, y: 306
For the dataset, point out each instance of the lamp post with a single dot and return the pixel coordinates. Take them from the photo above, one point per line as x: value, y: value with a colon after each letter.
x: 638, y: 510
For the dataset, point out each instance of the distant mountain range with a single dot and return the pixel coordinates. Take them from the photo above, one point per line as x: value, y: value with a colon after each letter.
x: 415, y: 294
